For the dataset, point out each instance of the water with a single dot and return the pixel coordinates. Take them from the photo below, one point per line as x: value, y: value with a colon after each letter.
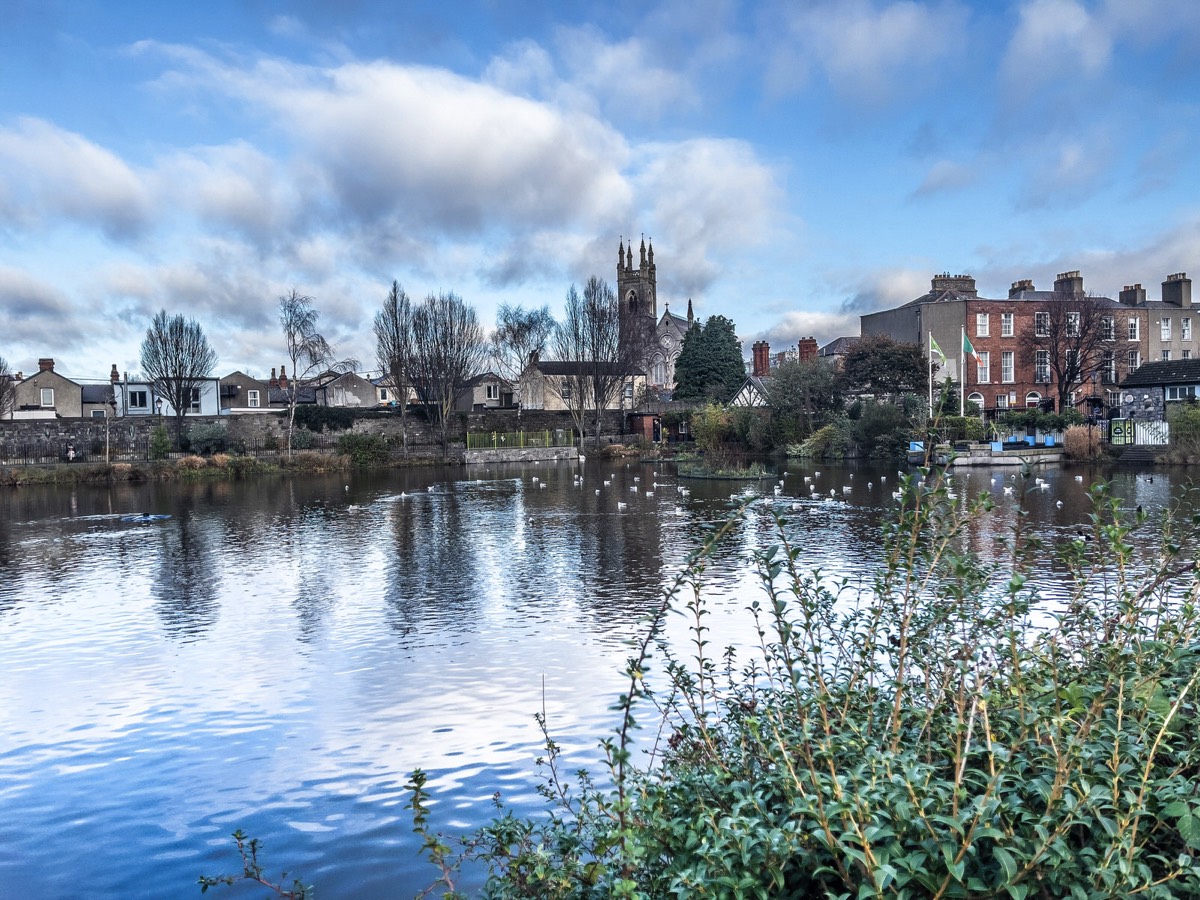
x: 279, y: 655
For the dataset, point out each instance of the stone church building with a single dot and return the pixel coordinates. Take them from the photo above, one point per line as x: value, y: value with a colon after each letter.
x: 637, y: 291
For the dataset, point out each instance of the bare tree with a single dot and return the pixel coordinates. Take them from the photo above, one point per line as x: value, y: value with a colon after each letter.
x: 308, y: 351
x: 590, y: 334
x: 176, y: 359
x: 1070, y: 339
x: 8, y: 389
x: 394, y: 348
x: 448, y: 350
x: 520, y: 335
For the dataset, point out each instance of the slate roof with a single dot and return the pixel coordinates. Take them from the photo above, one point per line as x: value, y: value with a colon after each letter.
x: 551, y: 367
x: 96, y: 393
x: 838, y: 346
x: 303, y: 395
x: 1164, y: 371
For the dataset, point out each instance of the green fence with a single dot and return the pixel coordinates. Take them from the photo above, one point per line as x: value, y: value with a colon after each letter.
x: 502, y: 440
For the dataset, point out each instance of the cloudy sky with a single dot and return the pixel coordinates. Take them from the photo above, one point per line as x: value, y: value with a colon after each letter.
x: 795, y: 163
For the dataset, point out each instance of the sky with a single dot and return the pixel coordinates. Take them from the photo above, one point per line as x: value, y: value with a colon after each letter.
x: 795, y: 164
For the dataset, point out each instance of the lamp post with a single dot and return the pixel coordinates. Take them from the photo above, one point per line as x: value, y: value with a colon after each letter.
x: 108, y: 415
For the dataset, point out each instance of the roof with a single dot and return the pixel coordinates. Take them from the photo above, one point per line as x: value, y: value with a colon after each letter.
x: 303, y: 395
x: 96, y: 393
x: 1164, y: 371
x: 575, y: 367
x: 483, y: 377
x: 838, y: 345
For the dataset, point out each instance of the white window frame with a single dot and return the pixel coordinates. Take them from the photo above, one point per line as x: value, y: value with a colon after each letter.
x: 194, y: 407
x: 252, y: 399
x: 1041, y: 324
x: 983, y: 369
x: 1133, y: 360
x: 982, y: 325
x: 1185, y: 354
x: 976, y: 398
x: 1041, y: 366
x: 1177, y: 392
x: 139, y: 399
x: 628, y: 391
x: 1164, y: 328
x: 1166, y: 356
x: 1008, y: 367
x: 1108, y: 366
x: 1002, y: 401
x: 1135, y: 331
x: 46, y: 398
x: 99, y: 414
x: 1033, y: 399
x: 1006, y: 324
x: 1108, y: 328
x: 1073, y: 323
x: 1185, y: 328
x: 491, y: 391
x: 565, y: 391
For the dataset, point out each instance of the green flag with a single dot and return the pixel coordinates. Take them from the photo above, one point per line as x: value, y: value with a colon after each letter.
x: 968, y: 349
x: 934, y: 348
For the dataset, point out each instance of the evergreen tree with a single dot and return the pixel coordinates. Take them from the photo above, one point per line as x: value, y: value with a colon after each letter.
x: 710, y: 363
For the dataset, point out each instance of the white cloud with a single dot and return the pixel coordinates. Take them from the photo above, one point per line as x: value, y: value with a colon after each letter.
x: 865, y: 50
x: 1055, y: 41
x: 47, y: 172
x: 945, y: 175
x: 824, y: 326
x: 712, y: 199
x: 35, y: 314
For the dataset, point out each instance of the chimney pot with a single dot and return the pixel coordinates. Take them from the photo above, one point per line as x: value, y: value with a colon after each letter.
x: 46, y: 364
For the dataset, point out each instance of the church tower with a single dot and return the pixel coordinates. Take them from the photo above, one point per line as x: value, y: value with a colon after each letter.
x: 637, y: 291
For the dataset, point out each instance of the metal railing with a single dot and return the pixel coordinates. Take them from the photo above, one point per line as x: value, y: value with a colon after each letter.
x: 515, y: 440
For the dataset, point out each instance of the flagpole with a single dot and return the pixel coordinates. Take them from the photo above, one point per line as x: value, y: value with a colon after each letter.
x: 930, y: 374
x: 962, y: 372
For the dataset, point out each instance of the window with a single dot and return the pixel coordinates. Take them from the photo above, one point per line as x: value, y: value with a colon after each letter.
x: 1071, y: 365
x: 1164, y: 327
x: 565, y: 391
x: 977, y: 399
x: 139, y: 399
x: 194, y: 406
x: 1041, y: 366
x: 1135, y: 360
x: 1006, y: 324
x: 1007, y: 374
x: 1166, y: 355
x: 98, y: 414
x: 491, y: 392
x: 1108, y: 367
x: 1186, y: 354
x: 1134, y: 330
x: 1072, y: 324
x: 1181, y: 392
x: 1041, y: 324
x: 981, y: 325
x: 1033, y: 399
x: 628, y: 391
x: 983, y: 370
x: 47, y: 396
x: 252, y: 399
x: 1185, y: 329
x: 1002, y: 401
x: 1108, y: 328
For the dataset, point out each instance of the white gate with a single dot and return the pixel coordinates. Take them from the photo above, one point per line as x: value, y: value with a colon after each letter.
x: 1156, y: 434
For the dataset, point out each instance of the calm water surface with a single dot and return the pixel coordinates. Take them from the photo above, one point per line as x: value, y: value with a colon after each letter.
x: 279, y: 655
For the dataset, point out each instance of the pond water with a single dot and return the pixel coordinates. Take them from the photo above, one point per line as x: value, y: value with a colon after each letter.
x: 279, y: 655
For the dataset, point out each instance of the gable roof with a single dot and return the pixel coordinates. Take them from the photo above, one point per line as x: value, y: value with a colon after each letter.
x: 1164, y: 371
x: 838, y: 345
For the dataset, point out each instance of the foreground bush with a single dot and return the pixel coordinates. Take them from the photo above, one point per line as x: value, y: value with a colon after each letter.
x: 1081, y: 442
x: 944, y: 731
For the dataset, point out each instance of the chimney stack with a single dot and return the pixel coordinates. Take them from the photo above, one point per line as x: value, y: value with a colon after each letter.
x: 274, y: 382
x: 283, y: 382
x: 960, y: 284
x: 1069, y: 283
x: 1019, y: 287
x: 1132, y: 295
x: 1177, y: 290
x: 114, y: 376
x: 45, y: 364
x: 807, y: 348
x: 762, y: 359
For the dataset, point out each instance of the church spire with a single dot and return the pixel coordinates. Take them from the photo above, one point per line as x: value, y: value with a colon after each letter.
x: 643, y: 253
x: 650, y: 253
x: 689, y: 312
x: 621, y: 253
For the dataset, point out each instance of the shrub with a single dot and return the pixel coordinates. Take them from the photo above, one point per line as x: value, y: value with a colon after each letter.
x: 963, y: 428
x: 830, y: 441
x: 220, y: 460
x: 364, y: 449
x: 319, y: 418
x: 192, y: 463
x: 302, y: 439
x: 1185, y: 433
x: 882, y: 431
x: 1081, y: 442
x: 160, y: 442
x: 207, y: 439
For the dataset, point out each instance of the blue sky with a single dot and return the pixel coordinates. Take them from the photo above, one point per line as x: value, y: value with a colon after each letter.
x: 795, y: 163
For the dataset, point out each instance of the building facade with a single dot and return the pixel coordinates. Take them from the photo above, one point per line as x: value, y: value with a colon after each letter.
x: 637, y: 293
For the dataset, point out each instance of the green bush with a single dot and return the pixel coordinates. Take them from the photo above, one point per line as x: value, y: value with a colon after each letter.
x: 364, y: 449
x: 207, y: 439
x: 882, y: 431
x: 963, y: 428
x: 160, y: 442
x: 302, y: 439
x: 319, y: 418
x: 940, y: 735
